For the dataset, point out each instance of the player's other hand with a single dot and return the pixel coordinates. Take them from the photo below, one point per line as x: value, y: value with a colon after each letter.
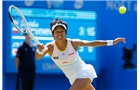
x: 40, y: 47
x: 119, y: 39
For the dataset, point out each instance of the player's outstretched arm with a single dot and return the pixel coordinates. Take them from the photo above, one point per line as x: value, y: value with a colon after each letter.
x: 99, y: 42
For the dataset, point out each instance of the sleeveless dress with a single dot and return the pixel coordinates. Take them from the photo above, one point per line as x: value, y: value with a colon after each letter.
x: 71, y: 64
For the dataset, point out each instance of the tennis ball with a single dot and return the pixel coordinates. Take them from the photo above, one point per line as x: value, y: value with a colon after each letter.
x: 122, y: 9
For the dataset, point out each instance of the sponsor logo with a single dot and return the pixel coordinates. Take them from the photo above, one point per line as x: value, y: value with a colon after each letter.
x: 56, y: 57
x: 70, y: 54
x: 64, y: 62
x: 63, y: 54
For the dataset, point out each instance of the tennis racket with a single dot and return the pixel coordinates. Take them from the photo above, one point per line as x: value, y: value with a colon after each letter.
x: 20, y: 23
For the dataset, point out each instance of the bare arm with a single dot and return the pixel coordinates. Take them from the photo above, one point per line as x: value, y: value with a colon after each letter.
x: 98, y: 42
x: 17, y: 62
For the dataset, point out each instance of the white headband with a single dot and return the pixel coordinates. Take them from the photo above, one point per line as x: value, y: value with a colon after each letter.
x: 54, y: 26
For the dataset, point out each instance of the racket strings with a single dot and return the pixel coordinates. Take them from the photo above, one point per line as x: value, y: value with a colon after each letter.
x: 20, y: 21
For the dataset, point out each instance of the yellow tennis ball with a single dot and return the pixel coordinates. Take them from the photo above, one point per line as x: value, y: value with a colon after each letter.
x: 122, y: 9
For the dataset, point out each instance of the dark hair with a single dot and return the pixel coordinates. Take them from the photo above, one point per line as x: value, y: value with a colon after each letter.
x: 56, y: 20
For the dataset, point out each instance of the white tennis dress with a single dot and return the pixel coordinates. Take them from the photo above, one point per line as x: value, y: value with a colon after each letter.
x: 71, y: 64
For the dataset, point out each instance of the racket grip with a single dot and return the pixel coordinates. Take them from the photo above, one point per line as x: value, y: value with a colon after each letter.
x: 36, y: 41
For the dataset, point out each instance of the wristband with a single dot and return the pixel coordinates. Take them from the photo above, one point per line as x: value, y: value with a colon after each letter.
x: 41, y: 52
x: 109, y: 42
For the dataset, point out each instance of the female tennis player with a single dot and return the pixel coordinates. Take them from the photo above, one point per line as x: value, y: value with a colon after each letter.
x: 64, y: 52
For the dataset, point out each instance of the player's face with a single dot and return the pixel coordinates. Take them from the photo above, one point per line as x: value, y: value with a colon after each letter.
x: 59, y: 33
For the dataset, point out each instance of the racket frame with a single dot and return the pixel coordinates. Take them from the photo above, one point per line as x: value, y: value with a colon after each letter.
x: 30, y: 34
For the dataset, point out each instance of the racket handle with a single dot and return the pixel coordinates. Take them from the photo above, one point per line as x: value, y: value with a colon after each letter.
x: 36, y: 41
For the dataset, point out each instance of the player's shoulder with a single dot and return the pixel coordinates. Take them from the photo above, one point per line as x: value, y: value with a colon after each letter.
x: 75, y: 40
x: 50, y: 44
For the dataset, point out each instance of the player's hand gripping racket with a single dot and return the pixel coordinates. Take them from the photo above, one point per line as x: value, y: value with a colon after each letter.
x: 20, y: 23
